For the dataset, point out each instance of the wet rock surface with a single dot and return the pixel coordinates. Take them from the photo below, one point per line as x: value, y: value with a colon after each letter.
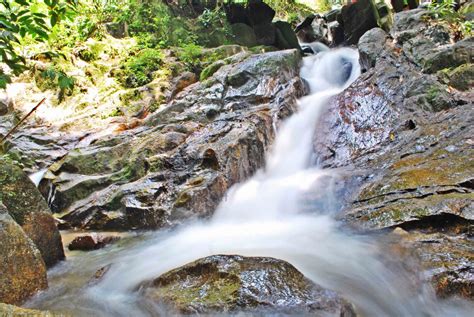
x: 345, y: 26
x: 91, y: 242
x: 14, y: 311
x: 230, y: 283
x: 29, y: 209
x: 22, y: 270
x: 407, y: 138
x: 179, y: 164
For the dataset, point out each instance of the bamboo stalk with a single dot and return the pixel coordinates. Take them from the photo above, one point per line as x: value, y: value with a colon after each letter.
x: 21, y: 121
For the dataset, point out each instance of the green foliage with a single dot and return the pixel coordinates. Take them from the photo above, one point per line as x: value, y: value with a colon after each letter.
x: 138, y: 70
x: 323, y: 6
x: 191, y: 55
x: 27, y: 18
x: 61, y: 79
x: 290, y: 10
x: 445, y: 11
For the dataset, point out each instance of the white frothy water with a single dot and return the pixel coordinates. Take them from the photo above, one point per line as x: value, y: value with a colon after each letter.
x: 37, y: 176
x: 262, y: 217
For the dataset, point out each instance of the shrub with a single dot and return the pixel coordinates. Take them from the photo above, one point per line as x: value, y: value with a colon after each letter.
x: 138, y: 70
x: 191, y: 55
x: 445, y: 11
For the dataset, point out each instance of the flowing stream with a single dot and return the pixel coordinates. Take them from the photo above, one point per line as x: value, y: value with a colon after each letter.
x: 261, y: 217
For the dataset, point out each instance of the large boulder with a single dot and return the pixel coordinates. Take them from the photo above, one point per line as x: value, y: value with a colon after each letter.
x: 231, y: 283
x: 265, y: 33
x: 22, y: 270
x: 371, y: 45
x: 285, y: 36
x: 29, y: 209
x: 259, y: 12
x: 358, y: 18
x: 179, y: 165
x: 244, y: 34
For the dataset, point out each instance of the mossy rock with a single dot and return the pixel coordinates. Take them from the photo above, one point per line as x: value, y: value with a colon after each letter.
x: 15, y: 311
x: 462, y: 77
x: 285, y: 36
x: 210, y: 70
x: 231, y: 283
x: 28, y: 208
x: 22, y: 270
x: 244, y: 35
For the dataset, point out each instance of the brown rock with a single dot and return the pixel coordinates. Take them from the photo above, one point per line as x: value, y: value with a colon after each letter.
x: 29, y: 209
x: 22, y: 270
x: 91, y: 242
x: 183, y: 81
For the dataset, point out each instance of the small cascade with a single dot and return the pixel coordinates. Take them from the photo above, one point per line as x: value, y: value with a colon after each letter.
x: 37, y: 176
x: 269, y: 215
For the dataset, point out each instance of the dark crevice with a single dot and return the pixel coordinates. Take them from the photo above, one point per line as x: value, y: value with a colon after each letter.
x: 469, y: 184
x: 443, y: 222
x: 443, y: 192
x: 461, y: 190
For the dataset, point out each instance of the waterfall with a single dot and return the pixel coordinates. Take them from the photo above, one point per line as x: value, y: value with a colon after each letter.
x: 263, y: 216
x: 37, y: 176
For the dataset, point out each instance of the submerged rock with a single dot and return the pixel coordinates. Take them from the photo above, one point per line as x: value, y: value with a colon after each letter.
x: 231, y: 283
x: 22, y: 270
x: 29, y: 209
x: 91, y: 242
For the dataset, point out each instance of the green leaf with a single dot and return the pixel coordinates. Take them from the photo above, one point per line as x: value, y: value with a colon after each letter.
x: 65, y: 82
x: 40, y: 15
x: 22, y: 2
x: 54, y: 18
x: 4, y: 80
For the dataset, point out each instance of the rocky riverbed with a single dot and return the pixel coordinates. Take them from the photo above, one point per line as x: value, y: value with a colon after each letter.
x: 402, y: 135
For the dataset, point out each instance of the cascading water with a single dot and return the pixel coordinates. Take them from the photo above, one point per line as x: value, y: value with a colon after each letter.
x: 263, y: 217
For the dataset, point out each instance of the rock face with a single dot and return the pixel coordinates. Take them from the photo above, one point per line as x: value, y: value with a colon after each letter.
x: 414, y: 134
x: 234, y: 283
x: 22, y: 270
x: 29, y: 209
x: 179, y: 165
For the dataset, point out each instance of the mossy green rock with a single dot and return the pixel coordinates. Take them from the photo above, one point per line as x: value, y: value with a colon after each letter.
x: 285, y: 36
x: 433, y: 177
x: 14, y: 311
x: 462, y: 77
x: 28, y: 208
x: 244, y: 34
x: 230, y: 283
x: 22, y: 270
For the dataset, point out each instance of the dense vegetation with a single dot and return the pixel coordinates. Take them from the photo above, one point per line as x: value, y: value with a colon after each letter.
x: 60, y: 29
